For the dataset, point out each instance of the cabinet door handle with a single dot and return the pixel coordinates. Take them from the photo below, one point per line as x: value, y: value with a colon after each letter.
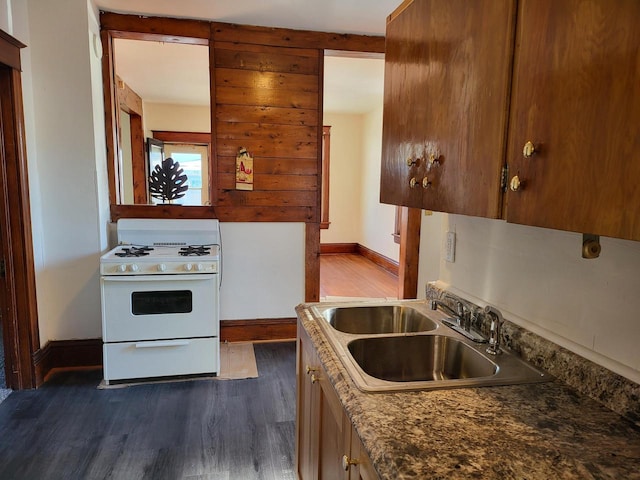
x: 347, y: 462
x: 310, y: 369
x: 314, y: 378
x: 528, y: 150
x: 515, y: 184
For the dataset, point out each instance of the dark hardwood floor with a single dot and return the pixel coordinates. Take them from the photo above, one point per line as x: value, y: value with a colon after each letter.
x: 203, y: 429
x: 352, y: 275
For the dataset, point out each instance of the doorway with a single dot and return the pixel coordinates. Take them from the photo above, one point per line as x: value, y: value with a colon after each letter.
x: 359, y: 257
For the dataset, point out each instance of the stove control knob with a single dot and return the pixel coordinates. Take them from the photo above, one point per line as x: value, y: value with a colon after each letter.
x: 162, y: 267
x: 122, y: 268
x: 200, y: 267
x: 134, y: 268
x: 188, y: 267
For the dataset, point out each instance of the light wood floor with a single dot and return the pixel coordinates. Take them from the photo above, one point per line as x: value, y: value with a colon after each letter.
x: 351, y: 275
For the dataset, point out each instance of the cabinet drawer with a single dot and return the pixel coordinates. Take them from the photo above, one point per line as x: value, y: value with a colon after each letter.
x: 161, y: 358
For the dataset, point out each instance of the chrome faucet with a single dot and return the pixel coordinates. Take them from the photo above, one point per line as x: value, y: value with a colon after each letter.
x: 456, y: 314
x: 494, y: 332
x: 464, y: 315
x: 465, y: 312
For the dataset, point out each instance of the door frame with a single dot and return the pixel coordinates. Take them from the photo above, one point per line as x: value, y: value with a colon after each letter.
x: 18, y: 299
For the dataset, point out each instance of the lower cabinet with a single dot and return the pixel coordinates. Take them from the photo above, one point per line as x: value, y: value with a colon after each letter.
x: 327, y: 446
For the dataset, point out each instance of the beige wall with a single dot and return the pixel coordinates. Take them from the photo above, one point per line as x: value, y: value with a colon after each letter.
x: 539, y: 280
x: 356, y: 214
x: 378, y: 219
x: 345, y: 178
x: 178, y: 118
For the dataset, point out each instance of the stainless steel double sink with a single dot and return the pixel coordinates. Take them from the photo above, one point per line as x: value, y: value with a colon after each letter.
x: 404, y: 345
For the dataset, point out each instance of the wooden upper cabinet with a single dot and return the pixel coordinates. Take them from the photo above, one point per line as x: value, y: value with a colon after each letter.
x: 447, y: 77
x: 576, y: 97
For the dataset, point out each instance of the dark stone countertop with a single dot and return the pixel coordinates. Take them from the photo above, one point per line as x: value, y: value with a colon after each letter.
x: 535, y: 431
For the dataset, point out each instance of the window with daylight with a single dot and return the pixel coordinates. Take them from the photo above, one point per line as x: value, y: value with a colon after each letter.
x: 194, y: 160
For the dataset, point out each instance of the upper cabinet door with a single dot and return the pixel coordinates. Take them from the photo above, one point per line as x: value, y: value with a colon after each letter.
x: 447, y: 78
x: 576, y: 98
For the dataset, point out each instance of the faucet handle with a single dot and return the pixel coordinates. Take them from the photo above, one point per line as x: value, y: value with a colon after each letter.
x: 494, y: 333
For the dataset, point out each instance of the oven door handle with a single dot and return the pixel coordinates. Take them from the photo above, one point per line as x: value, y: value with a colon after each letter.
x: 163, y: 343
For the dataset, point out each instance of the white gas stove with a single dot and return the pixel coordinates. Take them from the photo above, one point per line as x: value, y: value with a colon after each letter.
x: 160, y: 308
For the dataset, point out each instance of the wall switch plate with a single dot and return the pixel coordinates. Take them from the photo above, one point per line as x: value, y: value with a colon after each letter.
x: 450, y: 247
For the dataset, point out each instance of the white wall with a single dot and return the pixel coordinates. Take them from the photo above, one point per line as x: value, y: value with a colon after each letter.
x: 6, y: 14
x: 263, y: 270
x: 539, y: 280
x: 62, y: 152
x: 355, y: 211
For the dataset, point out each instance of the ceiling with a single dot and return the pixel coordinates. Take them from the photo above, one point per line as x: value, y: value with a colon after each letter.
x: 173, y: 73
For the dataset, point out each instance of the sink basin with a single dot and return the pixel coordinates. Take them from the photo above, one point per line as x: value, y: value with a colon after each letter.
x: 419, y: 358
x: 378, y: 319
x: 404, y: 345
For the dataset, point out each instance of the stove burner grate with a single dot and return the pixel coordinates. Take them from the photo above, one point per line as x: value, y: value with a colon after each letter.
x: 133, y: 252
x: 195, y: 250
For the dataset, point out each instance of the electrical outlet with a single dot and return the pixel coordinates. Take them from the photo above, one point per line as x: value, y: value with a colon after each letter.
x: 450, y: 247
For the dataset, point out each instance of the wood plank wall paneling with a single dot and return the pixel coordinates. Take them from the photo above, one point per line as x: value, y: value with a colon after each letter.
x: 159, y: 29
x: 267, y: 100
x: 297, y: 38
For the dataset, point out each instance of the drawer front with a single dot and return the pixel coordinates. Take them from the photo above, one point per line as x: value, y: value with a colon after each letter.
x: 156, y: 307
x: 161, y: 358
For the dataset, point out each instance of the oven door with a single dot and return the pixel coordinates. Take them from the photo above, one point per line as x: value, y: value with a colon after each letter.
x: 156, y: 307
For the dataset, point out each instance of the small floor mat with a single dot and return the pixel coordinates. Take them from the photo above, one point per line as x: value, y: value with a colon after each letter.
x: 237, y: 361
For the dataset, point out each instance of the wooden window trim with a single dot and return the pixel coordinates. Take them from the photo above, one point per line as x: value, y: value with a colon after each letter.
x: 182, y: 137
x: 193, y: 138
x: 161, y: 29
